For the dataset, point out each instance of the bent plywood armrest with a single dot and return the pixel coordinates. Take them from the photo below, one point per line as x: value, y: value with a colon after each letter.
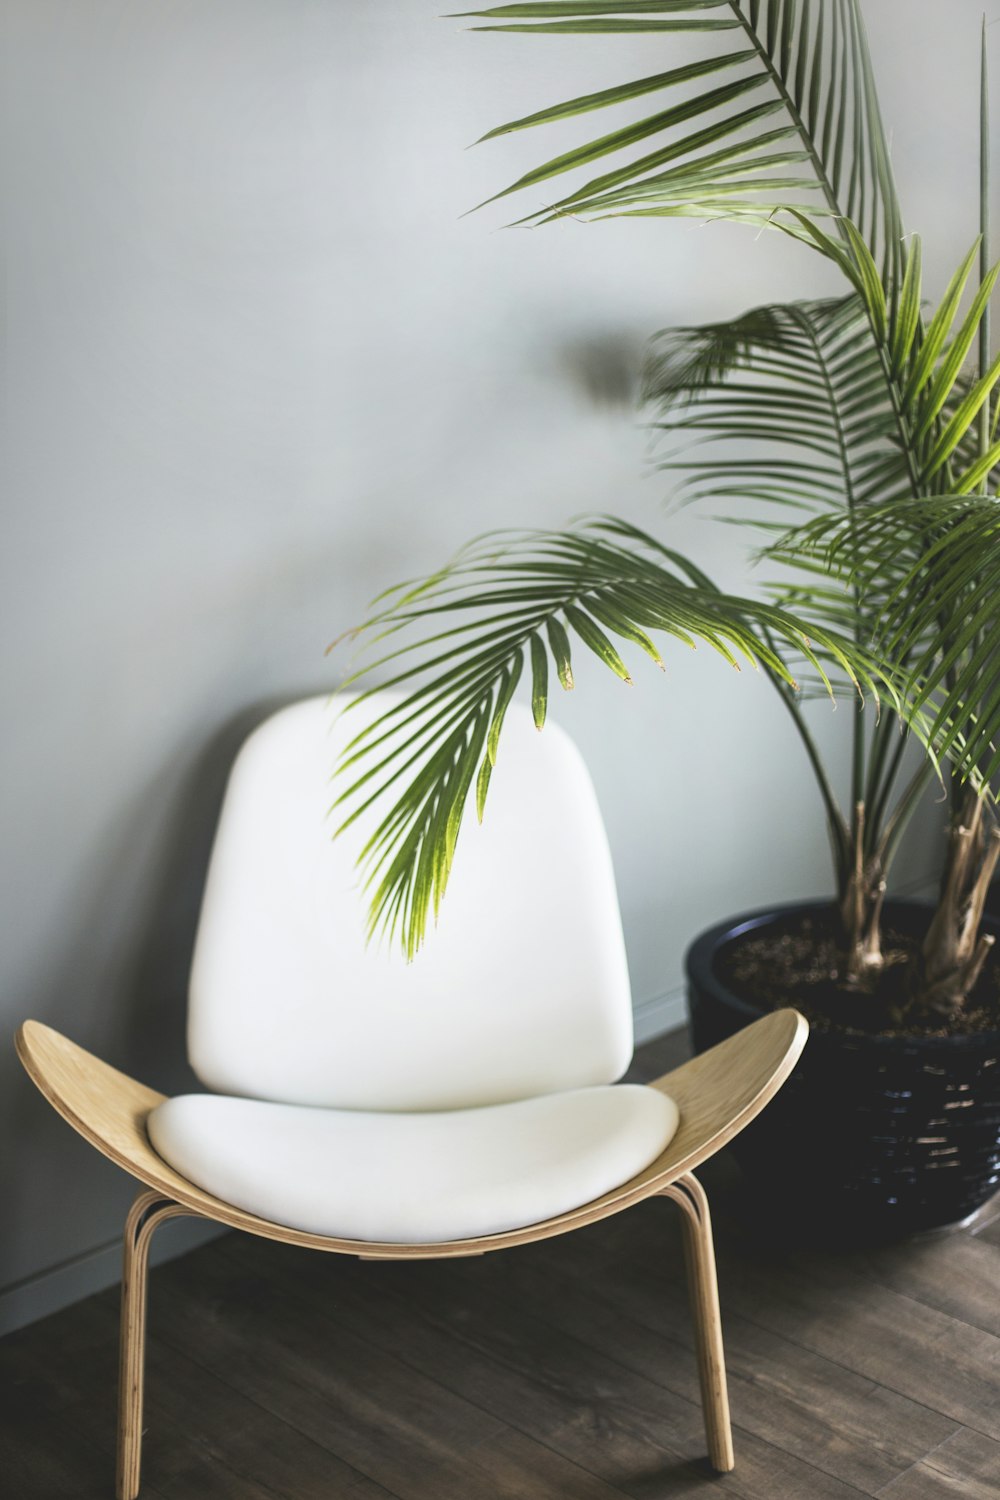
x: 717, y: 1094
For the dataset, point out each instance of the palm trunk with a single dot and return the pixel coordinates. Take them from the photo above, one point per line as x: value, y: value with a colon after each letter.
x: 954, y: 949
x: 861, y: 908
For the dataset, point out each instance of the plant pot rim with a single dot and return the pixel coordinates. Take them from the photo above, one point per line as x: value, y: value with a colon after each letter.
x: 699, y: 966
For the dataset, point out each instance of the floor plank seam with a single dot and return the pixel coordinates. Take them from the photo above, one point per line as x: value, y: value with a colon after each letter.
x: 490, y: 1357
x: 760, y: 1437
x: 943, y: 1312
x: 449, y: 1390
x: 688, y: 1345
x: 920, y: 1461
x: 183, y: 1352
x: 679, y: 1395
x: 496, y: 1359
x: 445, y: 1329
x: 657, y: 1382
x: 906, y: 1396
x: 976, y: 1229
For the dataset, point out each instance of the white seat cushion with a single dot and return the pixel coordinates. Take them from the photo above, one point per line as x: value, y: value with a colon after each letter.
x: 414, y: 1178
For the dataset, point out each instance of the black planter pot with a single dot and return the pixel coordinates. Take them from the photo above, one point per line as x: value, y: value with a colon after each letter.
x: 871, y: 1136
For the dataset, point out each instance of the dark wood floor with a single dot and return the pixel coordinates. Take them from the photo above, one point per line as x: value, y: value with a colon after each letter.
x: 564, y: 1369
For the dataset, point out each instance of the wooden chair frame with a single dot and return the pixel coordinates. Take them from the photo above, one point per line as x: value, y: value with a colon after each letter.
x: 717, y: 1094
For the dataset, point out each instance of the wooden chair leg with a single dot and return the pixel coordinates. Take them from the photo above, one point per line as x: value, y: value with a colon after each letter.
x: 147, y: 1213
x: 699, y: 1256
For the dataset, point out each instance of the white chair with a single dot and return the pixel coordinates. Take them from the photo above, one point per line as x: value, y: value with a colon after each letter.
x: 456, y: 1105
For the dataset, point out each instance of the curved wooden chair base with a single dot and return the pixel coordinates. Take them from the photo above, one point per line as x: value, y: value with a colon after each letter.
x: 717, y: 1094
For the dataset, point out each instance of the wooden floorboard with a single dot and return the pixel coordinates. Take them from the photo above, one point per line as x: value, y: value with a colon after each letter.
x: 989, y: 1230
x: 788, y: 1396
x: 409, y: 1429
x: 560, y: 1371
x: 955, y: 1274
x: 966, y: 1465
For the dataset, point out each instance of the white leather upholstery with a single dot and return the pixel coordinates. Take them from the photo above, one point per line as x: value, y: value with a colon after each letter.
x: 521, y: 990
x: 414, y: 1178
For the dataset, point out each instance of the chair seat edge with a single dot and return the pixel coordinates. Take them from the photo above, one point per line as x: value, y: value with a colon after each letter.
x: 718, y: 1094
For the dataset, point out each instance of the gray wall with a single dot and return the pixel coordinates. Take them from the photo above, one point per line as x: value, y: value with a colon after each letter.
x: 258, y: 367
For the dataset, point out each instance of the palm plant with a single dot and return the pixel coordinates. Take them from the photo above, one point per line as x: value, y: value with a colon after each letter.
x: 854, y: 421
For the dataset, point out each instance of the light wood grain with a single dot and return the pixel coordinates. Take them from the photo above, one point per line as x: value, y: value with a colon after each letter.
x: 699, y: 1256
x: 717, y: 1094
x: 147, y: 1213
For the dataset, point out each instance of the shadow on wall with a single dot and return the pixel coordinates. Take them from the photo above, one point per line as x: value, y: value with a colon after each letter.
x: 118, y: 983
x: 150, y: 1031
x: 605, y: 368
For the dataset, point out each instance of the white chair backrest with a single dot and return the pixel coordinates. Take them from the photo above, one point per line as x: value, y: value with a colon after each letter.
x: 521, y: 989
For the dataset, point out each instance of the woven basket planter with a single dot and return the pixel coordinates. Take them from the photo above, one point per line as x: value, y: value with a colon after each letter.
x: 871, y: 1136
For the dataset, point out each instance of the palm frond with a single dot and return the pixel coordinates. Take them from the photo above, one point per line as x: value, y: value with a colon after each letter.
x: 803, y: 61
x: 880, y: 406
x: 923, y: 369
x: 457, y: 644
x: 933, y: 564
x: 787, y: 404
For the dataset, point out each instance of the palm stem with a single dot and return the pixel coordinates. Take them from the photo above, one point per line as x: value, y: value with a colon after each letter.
x: 794, y: 114
x: 858, y: 724
x: 882, y: 789
x: 839, y: 831
x: 904, y: 810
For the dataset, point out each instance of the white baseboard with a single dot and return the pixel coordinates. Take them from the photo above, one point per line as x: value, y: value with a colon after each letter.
x: 662, y: 1013
x: 93, y: 1271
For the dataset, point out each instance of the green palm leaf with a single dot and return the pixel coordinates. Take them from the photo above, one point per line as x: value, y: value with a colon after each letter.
x: 457, y: 646
x: 809, y: 62
x: 934, y: 566
x: 785, y: 407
